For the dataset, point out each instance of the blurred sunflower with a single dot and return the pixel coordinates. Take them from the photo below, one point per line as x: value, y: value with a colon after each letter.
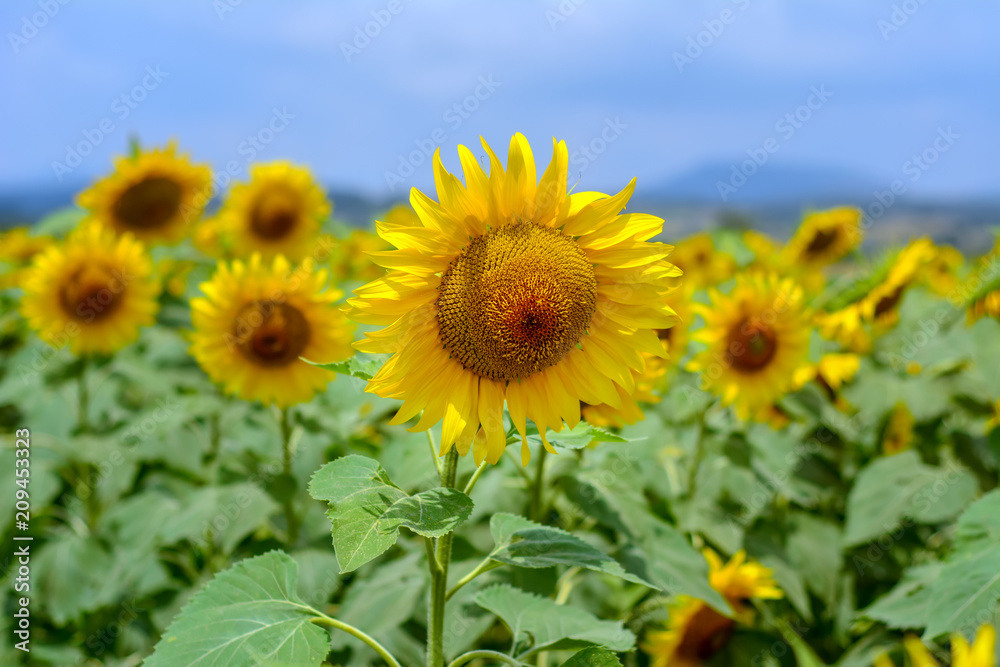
x: 701, y: 263
x: 897, y: 436
x: 824, y: 237
x: 154, y: 194
x: 881, y: 305
x: 173, y: 275
x: 757, y: 338
x: 696, y: 631
x: 647, y: 383
x: 676, y: 337
x: 985, y: 302
x: 980, y: 654
x: 278, y: 212
x: 831, y: 372
x: 352, y: 256
x: 511, y: 290
x: 17, y: 248
x: 257, y: 319
x: 845, y: 327
x: 95, y: 290
x: 940, y: 274
x: 209, y: 238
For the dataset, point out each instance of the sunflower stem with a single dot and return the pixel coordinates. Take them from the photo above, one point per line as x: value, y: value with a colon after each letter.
x: 475, y: 477
x: 83, y: 420
x: 291, y: 520
x: 438, y: 566
x: 486, y: 655
x: 536, y: 510
x: 87, y: 469
x: 354, y: 632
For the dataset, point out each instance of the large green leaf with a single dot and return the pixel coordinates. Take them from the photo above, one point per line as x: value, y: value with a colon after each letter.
x: 979, y: 526
x: 247, y: 615
x: 359, y: 492
x: 899, y: 487
x: 527, y: 544
x: 431, y: 513
x: 593, y: 657
x: 367, y: 509
x: 222, y: 514
x: 577, y: 437
x: 966, y: 592
x: 908, y: 605
x: 539, y: 624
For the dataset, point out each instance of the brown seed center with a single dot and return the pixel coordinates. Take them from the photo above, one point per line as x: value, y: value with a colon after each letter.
x: 271, y: 334
x: 275, y: 213
x: 149, y: 204
x: 753, y: 344
x: 91, y: 293
x: 516, y: 300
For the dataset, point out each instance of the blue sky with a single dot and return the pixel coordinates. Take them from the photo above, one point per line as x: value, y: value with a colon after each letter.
x: 609, y: 75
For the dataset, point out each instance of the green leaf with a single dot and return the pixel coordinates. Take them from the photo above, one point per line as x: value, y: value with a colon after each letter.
x: 966, y: 592
x: 249, y: 614
x: 907, y: 605
x: 804, y: 655
x: 577, y: 437
x: 979, y: 526
x: 808, y: 546
x: 544, y: 625
x: 593, y: 657
x: 431, y: 513
x: 359, y: 493
x: 60, y: 222
x: 71, y: 571
x: 355, y: 366
x: 224, y: 514
x: 527, y: 544
x: 894, y: 488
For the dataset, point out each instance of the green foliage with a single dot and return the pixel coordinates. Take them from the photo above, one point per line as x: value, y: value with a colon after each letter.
x: 250, y: 614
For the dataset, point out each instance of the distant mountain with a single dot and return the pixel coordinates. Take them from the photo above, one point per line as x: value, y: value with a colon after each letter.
x: 738, y: 183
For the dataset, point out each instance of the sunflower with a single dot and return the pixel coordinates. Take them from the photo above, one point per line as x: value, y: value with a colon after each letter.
x: 824, y: 237
x: 897, y: 436
x: 757, y: 337
x: 210, y: 239
x: 278, y: 212
x: 17, y: 248
x: 154, y: 194
x: 257, y: 319
x: 647, y: 383
x: 696, y: 631
x: 94, y: 290
x: 845, y: 327
x: 351, y: 261
x: 701, y: 263
x: 940, y: 274
x: 881, y: 305
x: 830, y: 373
x: 980, y: 654
x: 511, y: 290
x: 676, y: 338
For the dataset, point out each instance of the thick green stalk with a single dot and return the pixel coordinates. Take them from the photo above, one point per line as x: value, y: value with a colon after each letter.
x: 537, y: 509
x: 439, y: 573
x: 354, y: 632
x: 291, y: 521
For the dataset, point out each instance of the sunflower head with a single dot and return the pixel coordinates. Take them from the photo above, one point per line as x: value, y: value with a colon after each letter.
x: 510, y: 290
x: 756, y: 338
x: 155, y: 195
x: 647, y: 386
x: 980, y: 654
x: 258, y: 320
x: 940, y: 274
x: 17, y: 248
x: 881, y: 304
x: 94, y: 291
x: 741, y: 580
x: 278, y: 212
x: 824, y: 237
x: 898, y: 433
x: 701, y: 263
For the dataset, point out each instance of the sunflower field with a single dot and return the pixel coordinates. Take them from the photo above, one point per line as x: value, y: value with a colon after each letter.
x: 509, y: 425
